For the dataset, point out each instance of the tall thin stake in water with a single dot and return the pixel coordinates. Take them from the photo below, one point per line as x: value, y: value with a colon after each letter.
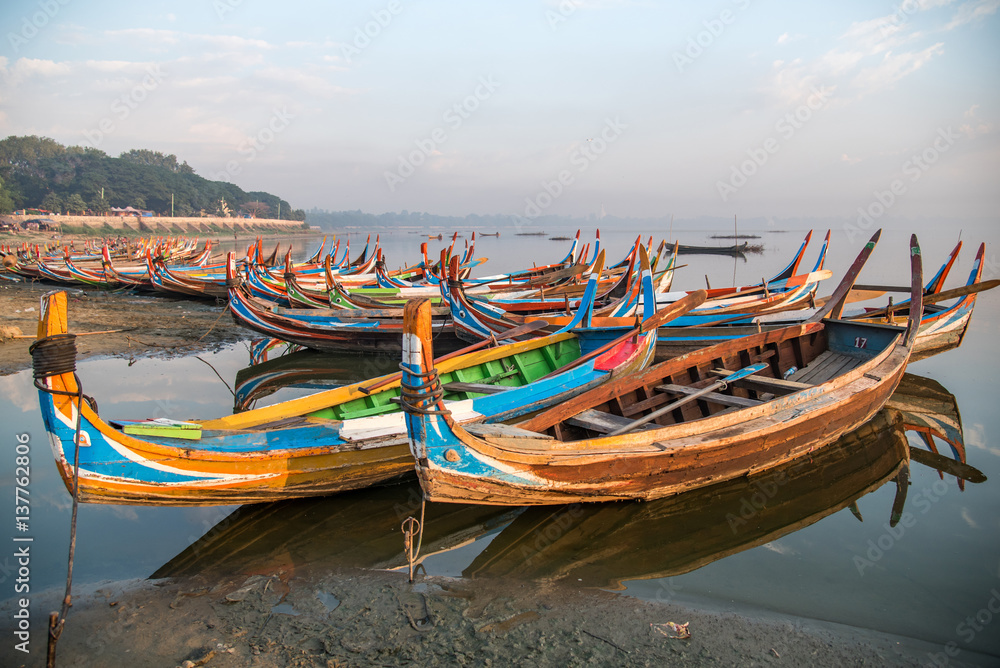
x: 736, y: 236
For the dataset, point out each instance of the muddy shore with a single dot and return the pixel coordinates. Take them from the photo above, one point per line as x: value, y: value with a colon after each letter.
x: 376, y: 618
x: 132, y: 325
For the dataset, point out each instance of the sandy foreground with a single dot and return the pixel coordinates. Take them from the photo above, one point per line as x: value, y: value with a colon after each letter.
x: 376, y: 618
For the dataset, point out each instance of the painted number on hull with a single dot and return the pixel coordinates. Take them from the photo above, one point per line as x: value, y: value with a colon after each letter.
x: 860, y: 342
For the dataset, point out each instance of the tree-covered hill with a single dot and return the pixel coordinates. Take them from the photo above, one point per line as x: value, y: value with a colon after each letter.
x: 41, y: 172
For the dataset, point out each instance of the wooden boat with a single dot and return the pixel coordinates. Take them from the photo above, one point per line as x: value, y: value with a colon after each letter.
x: 327, y: 330
x: 796, y: 389
x: 346, y: 438
x: 736, y: 250
x: 942, y: 327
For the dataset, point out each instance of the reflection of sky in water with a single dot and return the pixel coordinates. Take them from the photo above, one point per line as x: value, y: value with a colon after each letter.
x: 934, y: 574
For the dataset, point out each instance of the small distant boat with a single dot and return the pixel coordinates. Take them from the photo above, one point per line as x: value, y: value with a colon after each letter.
x: 738, y: 250
x: 721, y: 412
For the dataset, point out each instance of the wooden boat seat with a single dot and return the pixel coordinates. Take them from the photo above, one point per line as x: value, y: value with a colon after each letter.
x: 758, y: 383
x: 603, y: 422
x: 482, y: 429
x: 714, y: 397
x: 479, y: 388
x: 825, y: 367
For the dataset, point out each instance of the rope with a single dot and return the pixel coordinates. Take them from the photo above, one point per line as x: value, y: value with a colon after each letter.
x: 53, y: 356
x: 409, y: 527
x: 419, y: 399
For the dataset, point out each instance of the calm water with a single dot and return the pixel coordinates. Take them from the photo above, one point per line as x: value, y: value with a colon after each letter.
x: 923, y: 580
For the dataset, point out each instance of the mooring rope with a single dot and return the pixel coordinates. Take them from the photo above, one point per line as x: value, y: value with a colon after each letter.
x: 414, y: 400
x: 411, y: 526
x: 54, y: 356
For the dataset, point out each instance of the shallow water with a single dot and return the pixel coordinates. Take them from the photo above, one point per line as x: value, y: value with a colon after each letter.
x: 923, y: 578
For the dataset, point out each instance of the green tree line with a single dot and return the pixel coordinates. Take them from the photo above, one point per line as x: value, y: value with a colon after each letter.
x: 38, y: 172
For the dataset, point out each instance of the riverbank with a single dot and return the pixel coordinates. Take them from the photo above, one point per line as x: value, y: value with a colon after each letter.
x: 376, y: 618
x: 129, y: 325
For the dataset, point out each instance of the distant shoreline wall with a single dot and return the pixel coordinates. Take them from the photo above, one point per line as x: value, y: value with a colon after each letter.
x: 168, y: 224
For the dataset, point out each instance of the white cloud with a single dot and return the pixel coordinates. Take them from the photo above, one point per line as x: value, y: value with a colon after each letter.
x: 894, y: 67
x: 786, y: 38
x: 976, y: 10
x: 18, y: 391
x: 25, y: 69
x: 973, y: 127
x: 975, y: 436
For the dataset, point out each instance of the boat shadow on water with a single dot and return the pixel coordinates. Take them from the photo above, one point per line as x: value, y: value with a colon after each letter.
x: 594, y: 545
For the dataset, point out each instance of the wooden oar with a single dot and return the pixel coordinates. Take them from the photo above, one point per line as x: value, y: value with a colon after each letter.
x: 512, y: 333
x: 944, y: 295
x: 835, y: 304
x: 719, y: 384
x: 675, y: 310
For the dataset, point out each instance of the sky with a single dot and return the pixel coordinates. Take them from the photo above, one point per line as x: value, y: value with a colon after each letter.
x: 733, y: 107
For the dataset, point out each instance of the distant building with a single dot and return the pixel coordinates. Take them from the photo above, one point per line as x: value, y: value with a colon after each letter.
x: 129, y: 211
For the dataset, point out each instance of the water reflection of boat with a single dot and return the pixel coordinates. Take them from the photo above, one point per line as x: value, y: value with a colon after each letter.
x: 597, y: 544
x: 929, y: 410
x: 355, y: 529
x: 307, y: 370
x: 603, y: 545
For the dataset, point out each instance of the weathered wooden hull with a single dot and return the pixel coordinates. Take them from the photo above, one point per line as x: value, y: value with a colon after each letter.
x: 846, y: 372
x: 666, y: 461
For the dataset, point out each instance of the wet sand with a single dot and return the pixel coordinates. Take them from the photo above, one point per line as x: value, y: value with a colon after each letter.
x: 376, y: 618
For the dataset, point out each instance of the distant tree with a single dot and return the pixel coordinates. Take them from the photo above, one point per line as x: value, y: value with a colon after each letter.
x: 52, y: 202
x: 75, y: 204
x: 144, y: 156
x: 297, y: 214
x: 256, y: 209
x: 98, y: 204
x: 6, y: 202
x: 138, y: 201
